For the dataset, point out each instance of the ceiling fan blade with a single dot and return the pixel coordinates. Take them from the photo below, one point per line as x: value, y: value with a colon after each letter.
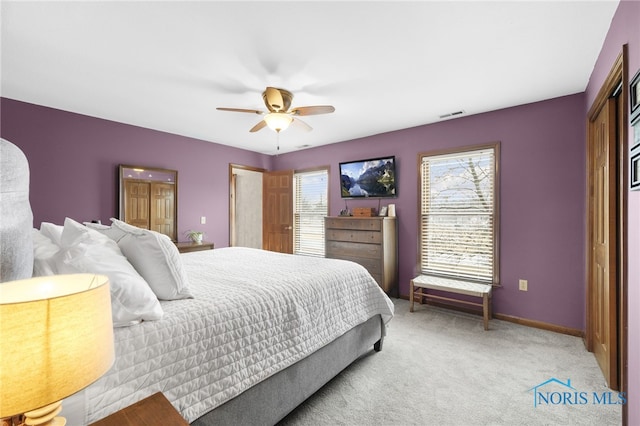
x: 253, y: 111
x: 313, y: 110
x: 261, y: 125
x: 301, y: 124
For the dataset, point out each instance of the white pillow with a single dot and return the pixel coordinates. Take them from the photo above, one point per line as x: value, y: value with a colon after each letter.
x: 52, y: 231
x: 86, y: 250
x: 110, y: 231
x: 44, y: 251
x: 95, y: 225
x: 156, y: 258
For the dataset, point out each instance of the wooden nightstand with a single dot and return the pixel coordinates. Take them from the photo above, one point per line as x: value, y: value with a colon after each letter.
x: 189, y: 246
x: 151, y: 411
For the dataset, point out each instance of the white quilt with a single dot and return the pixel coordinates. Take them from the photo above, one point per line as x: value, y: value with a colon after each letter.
x: 253, y: 314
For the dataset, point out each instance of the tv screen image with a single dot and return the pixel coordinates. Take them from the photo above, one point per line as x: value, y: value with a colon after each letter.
x: 375, y: 177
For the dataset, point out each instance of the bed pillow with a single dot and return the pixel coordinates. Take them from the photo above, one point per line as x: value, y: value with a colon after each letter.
x: 44, y: 251
x: 156, y: 258
x: 52, y: 231
x: 86, y: 250
x: 95, y: 225
x: 110, y: 231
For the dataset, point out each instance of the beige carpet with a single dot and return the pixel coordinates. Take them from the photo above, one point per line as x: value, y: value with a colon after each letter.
x: 439, y: 367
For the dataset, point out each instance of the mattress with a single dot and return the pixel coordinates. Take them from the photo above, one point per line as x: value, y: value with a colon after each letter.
x: 253, y: 314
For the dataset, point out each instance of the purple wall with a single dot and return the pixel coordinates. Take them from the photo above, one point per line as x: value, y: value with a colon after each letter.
x: 625, y: 29
x: 74, y: 159
x: 542, y: 198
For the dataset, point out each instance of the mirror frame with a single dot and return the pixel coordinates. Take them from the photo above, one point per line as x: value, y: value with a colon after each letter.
x: 121, y: 199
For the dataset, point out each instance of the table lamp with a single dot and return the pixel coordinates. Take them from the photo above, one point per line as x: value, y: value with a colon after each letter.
x: 56, y: 338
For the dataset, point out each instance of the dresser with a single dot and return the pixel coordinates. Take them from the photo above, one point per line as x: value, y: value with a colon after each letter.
x: 370, y: 241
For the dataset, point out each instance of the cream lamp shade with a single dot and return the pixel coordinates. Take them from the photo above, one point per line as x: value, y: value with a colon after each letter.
x: 56, y: 338
x: 278, y: 121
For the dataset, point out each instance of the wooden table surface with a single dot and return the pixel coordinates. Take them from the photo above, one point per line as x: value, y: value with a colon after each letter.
x: 152, y: 411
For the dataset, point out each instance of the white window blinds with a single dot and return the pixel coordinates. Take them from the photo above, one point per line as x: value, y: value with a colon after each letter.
x: 458, y: 215
x: 310, y: 208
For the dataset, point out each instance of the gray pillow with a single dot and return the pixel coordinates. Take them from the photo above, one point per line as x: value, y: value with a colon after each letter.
x: 16, y: 219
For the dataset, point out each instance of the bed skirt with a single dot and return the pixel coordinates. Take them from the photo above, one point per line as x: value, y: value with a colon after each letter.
x: 271, y: 400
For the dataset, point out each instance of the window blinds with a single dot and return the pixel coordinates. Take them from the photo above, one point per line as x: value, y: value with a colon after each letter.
x: 310, y: 209
x: 457, y: 220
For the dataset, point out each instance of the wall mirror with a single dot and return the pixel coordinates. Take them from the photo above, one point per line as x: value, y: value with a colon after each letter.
x: 149, y: 198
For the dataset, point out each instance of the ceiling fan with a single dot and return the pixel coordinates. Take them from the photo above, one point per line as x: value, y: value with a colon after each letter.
x: 279, y: 116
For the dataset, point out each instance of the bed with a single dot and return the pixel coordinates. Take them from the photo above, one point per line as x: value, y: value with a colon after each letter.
x: 246, y: 337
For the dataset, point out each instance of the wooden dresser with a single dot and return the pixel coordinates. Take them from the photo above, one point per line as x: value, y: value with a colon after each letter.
x: 370, y: 241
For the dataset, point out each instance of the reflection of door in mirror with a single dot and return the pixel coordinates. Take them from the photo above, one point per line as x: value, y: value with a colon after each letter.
x: 148, y: 198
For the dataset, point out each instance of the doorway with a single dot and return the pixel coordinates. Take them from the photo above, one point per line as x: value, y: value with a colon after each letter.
x: 260, y: 208
x: 245, y: 206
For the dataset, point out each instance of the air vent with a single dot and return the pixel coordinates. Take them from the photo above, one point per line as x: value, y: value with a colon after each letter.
x: 451, y: 114
x: 303, y: 146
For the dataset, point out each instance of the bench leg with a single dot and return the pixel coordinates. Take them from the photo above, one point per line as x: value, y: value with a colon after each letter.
x: 411, y: 296
x: 486, y: 310
x: 490, y: 306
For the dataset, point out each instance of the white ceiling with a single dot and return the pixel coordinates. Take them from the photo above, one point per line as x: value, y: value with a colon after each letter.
x: 384, y: 65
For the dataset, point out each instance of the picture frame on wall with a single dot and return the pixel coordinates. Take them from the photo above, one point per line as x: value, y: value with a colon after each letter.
x: 634, y: 98
x: 634, y: 169
x: 634, y: 119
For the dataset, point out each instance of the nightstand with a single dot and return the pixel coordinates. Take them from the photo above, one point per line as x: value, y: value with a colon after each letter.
x: 189, y: 246
x: 151, y: 411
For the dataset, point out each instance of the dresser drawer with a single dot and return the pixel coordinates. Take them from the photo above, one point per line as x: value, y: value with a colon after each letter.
x: 371, y: 237
x: 353, y: 223
x: 372, y: 265
x: 348, y: 250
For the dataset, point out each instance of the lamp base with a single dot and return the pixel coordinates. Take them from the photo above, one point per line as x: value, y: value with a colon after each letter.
x: 56, y: 421
x: 11, y: 421
x: 20, y: 421
x: 45, y: 416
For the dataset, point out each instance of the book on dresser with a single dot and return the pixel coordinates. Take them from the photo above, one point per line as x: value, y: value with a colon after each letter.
x: 369, y: 241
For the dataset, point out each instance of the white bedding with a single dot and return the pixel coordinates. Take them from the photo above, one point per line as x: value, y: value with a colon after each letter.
x: 253, y: 314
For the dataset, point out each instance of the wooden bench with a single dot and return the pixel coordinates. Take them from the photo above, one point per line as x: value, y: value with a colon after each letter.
x: 419, y: 285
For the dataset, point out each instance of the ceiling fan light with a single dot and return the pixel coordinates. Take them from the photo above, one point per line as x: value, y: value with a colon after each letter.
x: 278, y: 121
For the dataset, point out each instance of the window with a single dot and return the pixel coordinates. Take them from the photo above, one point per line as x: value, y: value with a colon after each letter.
x: 310, y: 207
x: 458, y: 214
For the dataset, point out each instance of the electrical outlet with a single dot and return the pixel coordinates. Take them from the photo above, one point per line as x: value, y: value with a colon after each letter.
x: 203, y: 220
x: 523, y: 284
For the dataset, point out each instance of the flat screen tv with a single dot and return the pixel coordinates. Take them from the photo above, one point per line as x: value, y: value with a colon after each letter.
x: 374, y: 178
